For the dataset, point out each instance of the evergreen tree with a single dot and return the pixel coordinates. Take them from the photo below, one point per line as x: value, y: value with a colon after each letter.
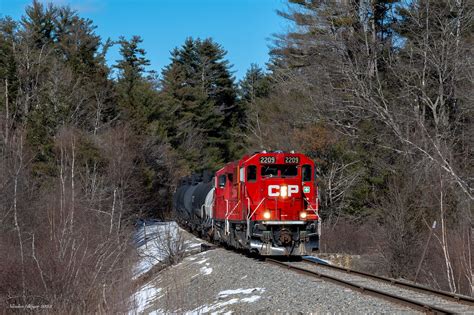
x: 8, y: 66
x: 136, y: 92
x: 255, y: 84
x: 76, y: 42
x: 199, y: 94
x: 38, y: 24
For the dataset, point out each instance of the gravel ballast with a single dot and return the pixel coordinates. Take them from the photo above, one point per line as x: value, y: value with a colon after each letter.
x: 224, y: 281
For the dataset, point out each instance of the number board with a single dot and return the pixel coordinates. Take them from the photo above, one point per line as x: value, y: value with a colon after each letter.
x: 267, y: 160
x: 292, y: 160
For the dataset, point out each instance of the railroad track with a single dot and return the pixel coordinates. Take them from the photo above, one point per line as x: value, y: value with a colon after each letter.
x: 412, y: 295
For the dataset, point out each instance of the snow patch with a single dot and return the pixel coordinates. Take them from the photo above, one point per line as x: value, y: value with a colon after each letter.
x: 155, y: 241
x: 193, y: 245
x: 202, y: 261
x: 206, y: 270
x: 215, y: 306
x: 226, y: 293
x: 144, y: 296
x: 219, y: 305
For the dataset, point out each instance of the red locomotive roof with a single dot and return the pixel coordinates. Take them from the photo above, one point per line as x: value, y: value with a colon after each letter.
x: 280, y: 157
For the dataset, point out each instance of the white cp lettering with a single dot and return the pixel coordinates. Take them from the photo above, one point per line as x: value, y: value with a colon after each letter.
x: 277, y: 190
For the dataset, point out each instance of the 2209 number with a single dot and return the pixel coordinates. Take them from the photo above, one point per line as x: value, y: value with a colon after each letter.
x: 267, y: 159
x: 292, y: 160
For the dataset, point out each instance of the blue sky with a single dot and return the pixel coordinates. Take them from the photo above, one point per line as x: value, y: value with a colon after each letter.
x: 243, y: 27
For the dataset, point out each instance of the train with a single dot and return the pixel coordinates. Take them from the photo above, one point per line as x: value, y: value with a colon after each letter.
x: 265, y: 203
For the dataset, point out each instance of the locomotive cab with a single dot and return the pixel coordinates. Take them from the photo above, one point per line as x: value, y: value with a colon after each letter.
x: 272, y: 197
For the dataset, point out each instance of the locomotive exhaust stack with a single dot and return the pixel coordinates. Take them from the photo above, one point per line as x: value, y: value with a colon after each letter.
x: 266, y: 202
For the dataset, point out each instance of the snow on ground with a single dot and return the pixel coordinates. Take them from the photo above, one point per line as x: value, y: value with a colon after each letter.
x: 144, y: 296
x: 226, y: 293
x: 318, y: 260
x: 206, y: 270
x: 156, y: 241
x: 236, y: 296
x: 201, y: 261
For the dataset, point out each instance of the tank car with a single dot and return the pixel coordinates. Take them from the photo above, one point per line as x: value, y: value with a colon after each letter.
x: 265, y: 203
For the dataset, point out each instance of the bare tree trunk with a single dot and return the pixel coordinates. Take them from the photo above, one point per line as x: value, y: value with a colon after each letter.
x: 444, y: 242
x: 470, y: 242
x: 113, y: 211
x: 7, y: 113
x: 73, y: 152
x: 98, y: 114
x: 18, y: 168
x: 62, y: 203
x: 37, y: 263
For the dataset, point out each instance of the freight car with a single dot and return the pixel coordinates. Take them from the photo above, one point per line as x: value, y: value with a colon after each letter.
x: 266, y: 203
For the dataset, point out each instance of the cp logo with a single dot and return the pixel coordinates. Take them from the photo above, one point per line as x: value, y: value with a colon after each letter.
x: 283, y: 191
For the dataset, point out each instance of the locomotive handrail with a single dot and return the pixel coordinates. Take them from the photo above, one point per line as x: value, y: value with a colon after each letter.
x: 227, y: 215
x: 309, y: 204
x: 257, y: 207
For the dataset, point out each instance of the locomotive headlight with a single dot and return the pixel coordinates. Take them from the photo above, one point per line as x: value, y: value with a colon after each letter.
x: 303, y: 214
x: 266, y: 215
x: 284, y: 191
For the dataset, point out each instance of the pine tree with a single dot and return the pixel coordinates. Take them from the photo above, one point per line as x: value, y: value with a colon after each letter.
x: 254, y: 85
x: 254, y: 88
x: 76, y: 42
x: 136, y: 92
x: 199, y: 94
x: 38, y: 24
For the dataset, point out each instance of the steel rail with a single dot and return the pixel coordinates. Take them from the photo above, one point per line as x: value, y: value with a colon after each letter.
x: 466, y: 300
x: 418, y: 305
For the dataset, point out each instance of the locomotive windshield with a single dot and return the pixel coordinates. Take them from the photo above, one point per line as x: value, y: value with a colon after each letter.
x: 279, y: 170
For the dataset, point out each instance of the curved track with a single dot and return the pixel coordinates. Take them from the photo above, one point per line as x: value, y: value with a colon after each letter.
x: 411, y: 295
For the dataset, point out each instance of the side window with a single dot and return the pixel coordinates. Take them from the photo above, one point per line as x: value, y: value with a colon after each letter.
x: 251, y: 173
x: 306, y: 177
x: 222, y: 179
x: 242, y: 175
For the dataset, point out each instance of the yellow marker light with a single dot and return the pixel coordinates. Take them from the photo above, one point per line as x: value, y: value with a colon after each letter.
x: 303, y: 215
x: 266, y: 215
x: 284, y: 191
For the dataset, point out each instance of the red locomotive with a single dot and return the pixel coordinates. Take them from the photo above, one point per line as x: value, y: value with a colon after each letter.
x: 265, y: 203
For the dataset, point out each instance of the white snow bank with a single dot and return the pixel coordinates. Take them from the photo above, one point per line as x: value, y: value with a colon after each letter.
x: 144, y: 296
x: 219, y: 305
x: 213, y: 307
x: 206, y: 270
x: 190, y: 244
x: 226, y: 293
x: 155, y: 243
x: 201, y: 261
